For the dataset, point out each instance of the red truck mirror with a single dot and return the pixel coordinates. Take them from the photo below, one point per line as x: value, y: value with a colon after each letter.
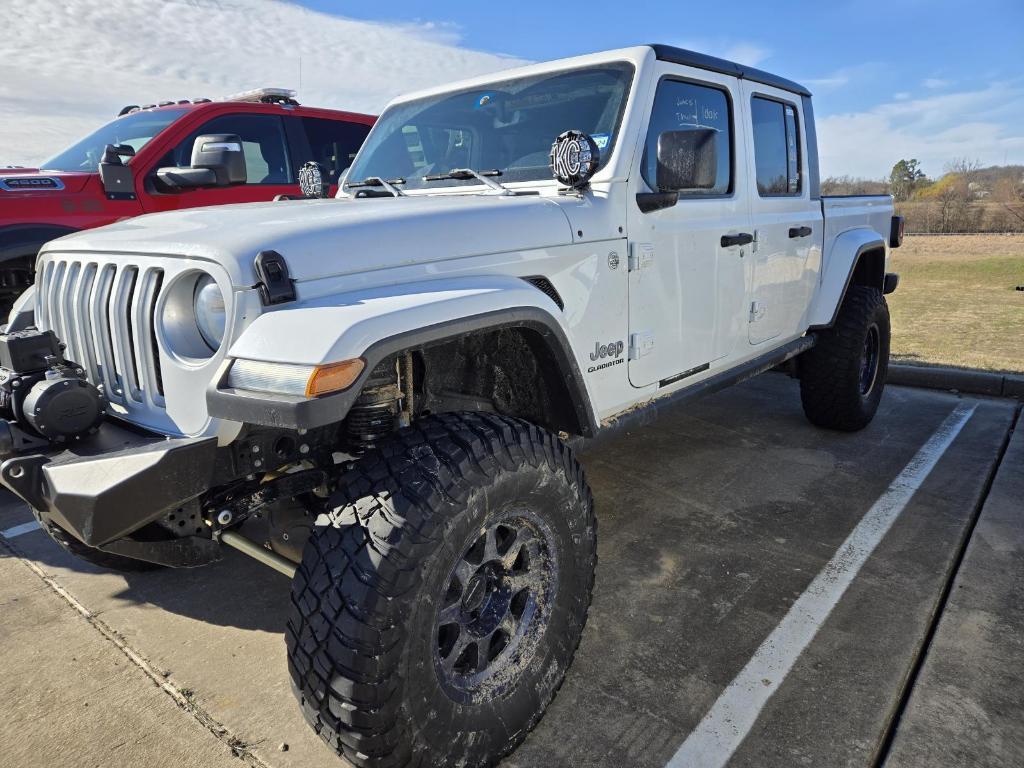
x: 115, y: 176
x: 218, y: 160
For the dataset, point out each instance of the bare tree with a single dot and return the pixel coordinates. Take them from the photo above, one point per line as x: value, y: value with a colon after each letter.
x: 961, y: 166
x: 967, y: 171
x: 1009, y: 193
x: 849, y: 185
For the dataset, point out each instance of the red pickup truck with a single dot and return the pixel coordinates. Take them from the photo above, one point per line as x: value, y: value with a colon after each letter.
x: 112, y: 173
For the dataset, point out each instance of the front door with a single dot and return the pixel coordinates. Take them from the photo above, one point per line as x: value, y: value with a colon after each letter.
x: 688, y: 290
x: 268, y: 165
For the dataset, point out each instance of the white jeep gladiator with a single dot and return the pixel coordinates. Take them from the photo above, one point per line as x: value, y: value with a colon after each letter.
x: 390, y: 385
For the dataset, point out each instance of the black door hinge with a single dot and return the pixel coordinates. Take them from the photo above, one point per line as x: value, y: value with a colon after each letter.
x: 275, y: 286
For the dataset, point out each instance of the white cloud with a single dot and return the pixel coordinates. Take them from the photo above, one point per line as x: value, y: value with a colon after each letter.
x: 984, y: 125
x: 745, y: 53
x: 838, y: 80
x: 934, y: 83
x: 70, y: 66
x: 750, y: 54
x: 901, y: 96
x: 855, y: 74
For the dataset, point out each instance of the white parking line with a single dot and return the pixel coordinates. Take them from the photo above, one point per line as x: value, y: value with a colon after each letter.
x: 18, y: 530
x: 728, y: 722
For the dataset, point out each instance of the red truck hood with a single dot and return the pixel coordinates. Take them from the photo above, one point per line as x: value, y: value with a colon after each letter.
x: 72, y: 181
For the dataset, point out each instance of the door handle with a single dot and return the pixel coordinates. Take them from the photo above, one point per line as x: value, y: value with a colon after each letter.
x: 743, y: 238
x: 796, y: 232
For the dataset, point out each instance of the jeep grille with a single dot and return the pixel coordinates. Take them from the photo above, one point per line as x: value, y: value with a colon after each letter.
x: 104, y: 313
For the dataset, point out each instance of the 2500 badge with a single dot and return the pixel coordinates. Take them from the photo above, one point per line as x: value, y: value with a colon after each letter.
x: 612, y: 349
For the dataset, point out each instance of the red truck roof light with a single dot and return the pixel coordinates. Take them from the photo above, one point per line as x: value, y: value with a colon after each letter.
x: 255, y: 96
x: 265, y: 96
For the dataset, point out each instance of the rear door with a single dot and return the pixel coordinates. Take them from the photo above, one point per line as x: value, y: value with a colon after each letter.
x: 787, y: 223
x: 687, y: 289
x: 331, y: 143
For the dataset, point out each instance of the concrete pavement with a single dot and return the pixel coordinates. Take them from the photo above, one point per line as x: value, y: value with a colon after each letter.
x: 713, y: 522
x: 71, y: 697
x: 967, y: 706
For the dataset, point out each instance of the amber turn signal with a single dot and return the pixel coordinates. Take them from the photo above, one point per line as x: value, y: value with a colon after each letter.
x: 334, y: 377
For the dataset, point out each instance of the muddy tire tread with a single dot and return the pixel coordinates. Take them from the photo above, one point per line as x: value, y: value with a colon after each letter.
x: 352, y: 635
x: 829, y: 371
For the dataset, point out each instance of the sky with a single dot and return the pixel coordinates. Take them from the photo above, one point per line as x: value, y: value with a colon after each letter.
x: 69, y: 66
x: 935, y: 80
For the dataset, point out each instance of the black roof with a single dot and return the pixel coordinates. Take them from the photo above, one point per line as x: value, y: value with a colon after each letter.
x: 703, y: 61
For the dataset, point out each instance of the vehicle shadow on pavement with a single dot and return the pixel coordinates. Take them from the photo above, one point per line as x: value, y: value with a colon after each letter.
x: 234, y: 592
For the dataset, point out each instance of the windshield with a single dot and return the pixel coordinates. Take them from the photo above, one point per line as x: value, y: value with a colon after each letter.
x: 507, y: 126
x: 135, y: 130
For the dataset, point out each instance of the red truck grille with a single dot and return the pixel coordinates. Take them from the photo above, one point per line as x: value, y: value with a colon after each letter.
x: 105, y: 314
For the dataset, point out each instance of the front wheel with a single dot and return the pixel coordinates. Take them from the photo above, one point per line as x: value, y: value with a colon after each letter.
x: 438, y: 607
x: 843, y: 375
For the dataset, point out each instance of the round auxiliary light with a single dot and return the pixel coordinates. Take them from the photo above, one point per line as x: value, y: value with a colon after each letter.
x: 574, y: 159
x: 312, y: 180
x: 211, y: 315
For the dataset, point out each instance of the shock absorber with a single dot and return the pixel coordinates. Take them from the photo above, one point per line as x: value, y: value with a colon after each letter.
x: 374, y: 414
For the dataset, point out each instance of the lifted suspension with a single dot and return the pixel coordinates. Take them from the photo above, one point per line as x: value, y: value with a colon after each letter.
x: 385, y: 404
x: 237, y: 541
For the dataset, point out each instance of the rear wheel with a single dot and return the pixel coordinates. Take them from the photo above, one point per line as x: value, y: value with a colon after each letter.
x: 842, y: 377
x: 436, y: 611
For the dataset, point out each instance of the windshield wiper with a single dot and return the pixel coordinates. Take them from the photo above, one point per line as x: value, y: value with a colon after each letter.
x: 465, y: 174
x: 377, y: 181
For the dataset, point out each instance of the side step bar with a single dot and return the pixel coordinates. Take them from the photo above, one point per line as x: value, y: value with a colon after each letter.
x: 648, y: 412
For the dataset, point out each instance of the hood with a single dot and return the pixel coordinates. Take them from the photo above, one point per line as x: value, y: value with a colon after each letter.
x: 70, y: 181
x: 326, y: 238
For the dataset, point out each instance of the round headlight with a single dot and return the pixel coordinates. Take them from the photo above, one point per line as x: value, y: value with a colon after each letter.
x: 211, y: 316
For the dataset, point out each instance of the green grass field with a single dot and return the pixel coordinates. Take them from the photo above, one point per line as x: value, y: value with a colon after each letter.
x: 956, y: 303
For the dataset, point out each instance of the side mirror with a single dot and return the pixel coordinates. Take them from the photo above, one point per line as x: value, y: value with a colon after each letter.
x: 112, y: 153
x: 687, y: 160
x: 115, y: 176
x: 217, y: 161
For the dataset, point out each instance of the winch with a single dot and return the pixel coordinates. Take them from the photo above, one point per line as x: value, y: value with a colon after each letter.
x: 44, y: 398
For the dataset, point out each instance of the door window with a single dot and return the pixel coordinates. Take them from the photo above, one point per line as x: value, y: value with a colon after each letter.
x: 333, y: 143
x: 679, y: 106
x: 263, y: 142
x: 776, y: 147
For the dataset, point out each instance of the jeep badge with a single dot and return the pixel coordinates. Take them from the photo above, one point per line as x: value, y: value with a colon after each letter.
x: 574, y: 159
x: 312, y: 181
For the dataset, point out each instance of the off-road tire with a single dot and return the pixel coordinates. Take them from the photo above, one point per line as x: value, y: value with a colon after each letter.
x: 98, y: 557
x: 363, y: 634
x: 840, y: 384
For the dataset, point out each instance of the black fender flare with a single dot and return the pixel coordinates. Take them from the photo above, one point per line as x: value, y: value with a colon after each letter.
x: 21, y: 240
x: 292, y: 413
x: 860, y: 273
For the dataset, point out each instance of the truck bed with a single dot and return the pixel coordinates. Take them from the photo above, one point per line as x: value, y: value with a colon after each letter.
x: 843, y: 212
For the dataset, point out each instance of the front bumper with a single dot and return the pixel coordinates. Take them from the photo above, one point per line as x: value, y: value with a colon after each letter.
x: 109, y: 485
